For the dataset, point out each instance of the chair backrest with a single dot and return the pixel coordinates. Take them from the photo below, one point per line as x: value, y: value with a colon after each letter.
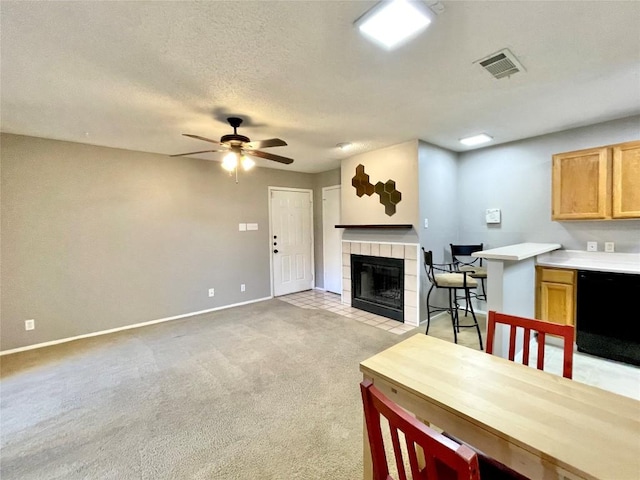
x: 567, y: 333
x: 443, y: 459
x: 428, y: 264
x: 461, y: 254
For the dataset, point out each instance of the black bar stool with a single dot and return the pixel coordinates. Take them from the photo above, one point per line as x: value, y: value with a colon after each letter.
x: 451, y: 280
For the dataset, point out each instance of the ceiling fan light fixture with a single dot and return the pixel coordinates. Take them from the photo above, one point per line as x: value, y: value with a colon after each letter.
x: 230, y: 161
x: 247, y: 163
x: 392, y: 23
x: 476, y: 140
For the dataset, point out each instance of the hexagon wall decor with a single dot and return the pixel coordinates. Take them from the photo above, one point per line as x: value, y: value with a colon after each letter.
x: 389, y: 196
x: 361, y: 182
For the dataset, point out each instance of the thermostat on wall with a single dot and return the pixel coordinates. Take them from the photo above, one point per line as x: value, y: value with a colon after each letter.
x: 493, y: 215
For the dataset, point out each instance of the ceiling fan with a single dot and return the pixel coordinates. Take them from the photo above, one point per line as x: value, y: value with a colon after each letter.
x: 238, y: 146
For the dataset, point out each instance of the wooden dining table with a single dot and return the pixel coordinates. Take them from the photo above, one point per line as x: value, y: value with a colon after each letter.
x: 540, y: 424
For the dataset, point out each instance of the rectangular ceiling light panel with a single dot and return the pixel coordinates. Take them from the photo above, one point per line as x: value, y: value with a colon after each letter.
x: 392, y: 23
x: 476, y: 139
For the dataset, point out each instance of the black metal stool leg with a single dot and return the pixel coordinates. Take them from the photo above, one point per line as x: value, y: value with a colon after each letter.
x: 473, y: 314
x: 428, y: 310
x: 454, y: 316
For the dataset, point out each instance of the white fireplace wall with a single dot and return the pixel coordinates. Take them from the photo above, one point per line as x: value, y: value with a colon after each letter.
x: 398, y: 163
x: 406, y: 251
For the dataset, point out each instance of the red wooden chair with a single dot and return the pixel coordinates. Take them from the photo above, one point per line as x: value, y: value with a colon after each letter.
x: 567, y: 333
x: 444, y: 459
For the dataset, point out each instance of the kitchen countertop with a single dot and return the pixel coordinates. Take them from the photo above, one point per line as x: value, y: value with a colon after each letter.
x: 517, y: 252
x: 596, y: 261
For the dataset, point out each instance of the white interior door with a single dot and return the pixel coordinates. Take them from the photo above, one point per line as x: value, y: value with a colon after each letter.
x: 331, y: 239
x: 291, y: 240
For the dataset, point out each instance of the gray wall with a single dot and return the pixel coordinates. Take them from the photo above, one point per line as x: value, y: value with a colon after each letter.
x: 97, y: 238
x: 321, y: 180
x: 516, y: 178
x: 439, y: 204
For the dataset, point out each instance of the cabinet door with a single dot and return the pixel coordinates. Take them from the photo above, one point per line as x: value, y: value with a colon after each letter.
x: 581, y: 185
x: 626, y: 180
x: 557, y: 303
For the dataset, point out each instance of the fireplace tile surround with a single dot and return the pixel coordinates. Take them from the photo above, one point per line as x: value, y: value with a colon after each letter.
x: 406, y: 251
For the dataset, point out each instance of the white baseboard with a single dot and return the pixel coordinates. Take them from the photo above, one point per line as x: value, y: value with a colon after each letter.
x: 127, y: 327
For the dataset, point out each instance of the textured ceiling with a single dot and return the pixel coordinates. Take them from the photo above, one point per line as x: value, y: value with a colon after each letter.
x: 135, y: 75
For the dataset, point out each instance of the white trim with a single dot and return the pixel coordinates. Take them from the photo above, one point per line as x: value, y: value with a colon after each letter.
x: 321, y: 289
x: 127, y: 327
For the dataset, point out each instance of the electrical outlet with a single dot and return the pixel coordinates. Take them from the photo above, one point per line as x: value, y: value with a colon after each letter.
x: 242, y: 287
x: 609, y: 247
x: 29, y: 324
x: 592, y: 246
x: 212, y: 292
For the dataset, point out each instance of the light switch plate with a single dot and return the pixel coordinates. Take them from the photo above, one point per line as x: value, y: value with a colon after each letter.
x: 252, y: 226
x: 609, y: 247
x: 242, y: 227
x: 592, y: 246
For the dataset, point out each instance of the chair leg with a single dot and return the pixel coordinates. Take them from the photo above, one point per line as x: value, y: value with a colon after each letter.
x: 482, y: 296
x: 428, y: 310
x: 453, y: 299
x: 473, y: 314
x: 466, y: 309
x: 454, y: 313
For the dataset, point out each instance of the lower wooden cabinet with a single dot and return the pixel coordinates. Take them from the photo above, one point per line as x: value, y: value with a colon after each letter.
x: 556, y: 295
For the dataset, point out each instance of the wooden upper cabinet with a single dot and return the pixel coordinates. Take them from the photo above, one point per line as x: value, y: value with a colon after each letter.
x: 597, y: 184
x: 580, y: 185
x: 626, y: 180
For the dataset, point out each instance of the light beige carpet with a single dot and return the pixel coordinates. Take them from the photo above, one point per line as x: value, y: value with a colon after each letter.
x: 267, y: 391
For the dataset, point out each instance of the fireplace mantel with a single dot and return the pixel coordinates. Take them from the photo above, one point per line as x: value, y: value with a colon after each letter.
x: 397, y: 226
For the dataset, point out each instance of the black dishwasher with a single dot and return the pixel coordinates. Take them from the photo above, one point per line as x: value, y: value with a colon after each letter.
x: 607, y: 318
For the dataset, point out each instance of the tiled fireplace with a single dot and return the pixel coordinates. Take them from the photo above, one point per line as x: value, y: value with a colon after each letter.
x: 387, y: 289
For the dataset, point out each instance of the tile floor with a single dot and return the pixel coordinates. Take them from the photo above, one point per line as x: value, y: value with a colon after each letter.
x: 318, y: 299
x: 609, y: 375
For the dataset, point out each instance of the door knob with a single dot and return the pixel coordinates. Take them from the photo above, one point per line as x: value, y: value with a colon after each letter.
x: 275, y: 251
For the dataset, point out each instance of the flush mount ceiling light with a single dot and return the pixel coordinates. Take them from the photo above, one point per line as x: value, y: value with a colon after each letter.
x: 393, y: 22
x: 476, y: 139
x: 344, y: 146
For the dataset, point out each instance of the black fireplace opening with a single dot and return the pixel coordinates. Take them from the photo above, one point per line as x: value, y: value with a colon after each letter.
x: 377, y: 285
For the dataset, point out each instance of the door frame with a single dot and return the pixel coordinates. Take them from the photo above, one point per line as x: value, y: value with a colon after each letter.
x: 324, y: 265
x: 270, y: 243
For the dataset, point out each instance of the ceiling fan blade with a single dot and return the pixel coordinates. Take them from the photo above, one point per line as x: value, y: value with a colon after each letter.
x: 193, y: 153
x: 269, y: 156
x: 272, y: 142
x: 198, y: 137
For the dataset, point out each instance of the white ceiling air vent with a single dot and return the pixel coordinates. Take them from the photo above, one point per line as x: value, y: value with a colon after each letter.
x: 501, y: 64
